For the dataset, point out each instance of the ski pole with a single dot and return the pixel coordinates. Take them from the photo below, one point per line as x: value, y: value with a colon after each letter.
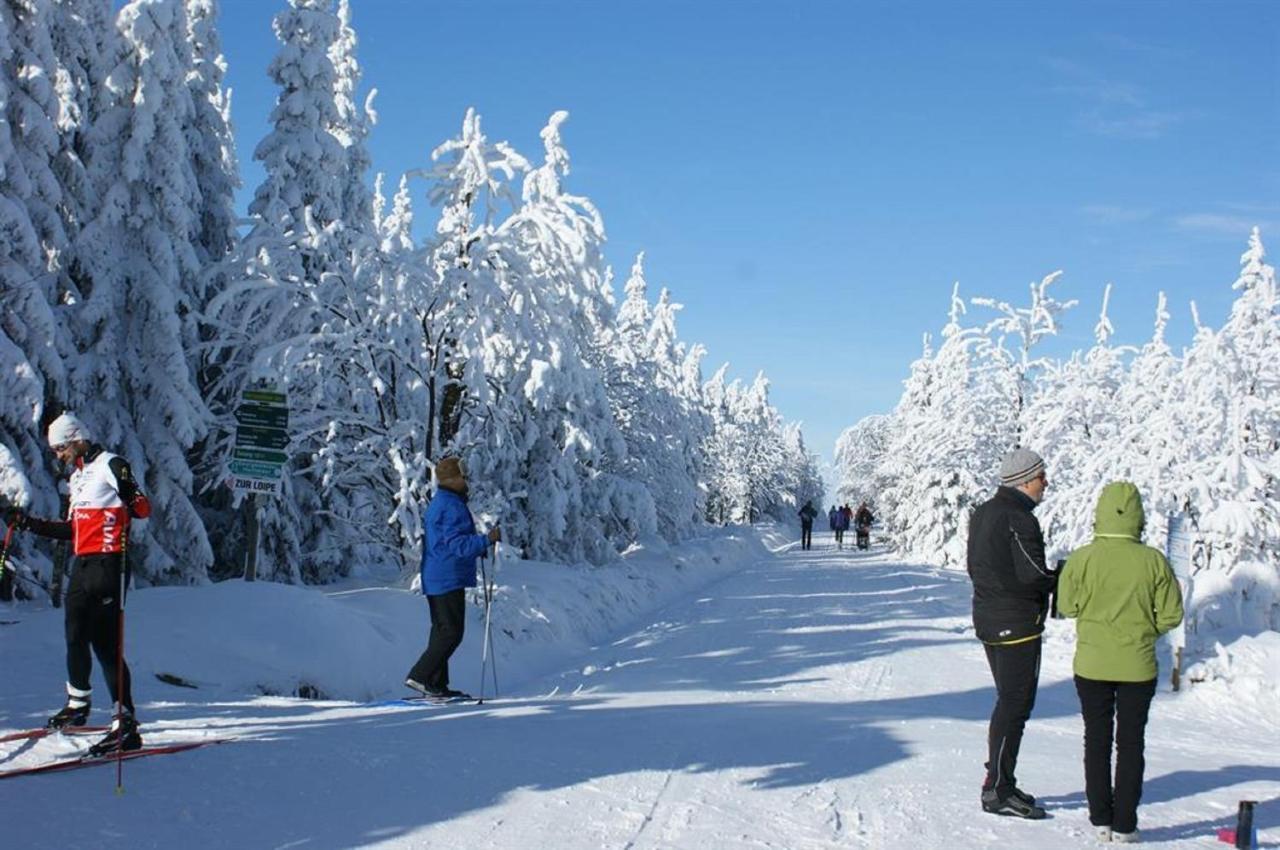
x: 485, y: 663
x: 120, y: 671
x: 5, y: 569
x: 484, y: 643
x: 488, y: 621
x: 4, y: 552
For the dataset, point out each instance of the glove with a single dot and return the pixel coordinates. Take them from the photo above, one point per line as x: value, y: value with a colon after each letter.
x: 15, y: 518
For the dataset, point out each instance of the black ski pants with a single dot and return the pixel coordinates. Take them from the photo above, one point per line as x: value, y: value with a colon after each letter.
x: 1118, y: 708
x: 1016, y: 671
x: 806, y: 535
x: 448, y: 620
x: 93, y: 623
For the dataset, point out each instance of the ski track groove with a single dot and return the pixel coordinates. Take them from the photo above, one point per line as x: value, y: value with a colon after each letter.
x: 653, y: 808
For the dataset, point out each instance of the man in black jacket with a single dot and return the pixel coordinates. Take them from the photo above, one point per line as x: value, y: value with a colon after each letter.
x: 1011, y: 586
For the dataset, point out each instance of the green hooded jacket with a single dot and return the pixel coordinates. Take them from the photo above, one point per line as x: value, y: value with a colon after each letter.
x: 1123, y: 594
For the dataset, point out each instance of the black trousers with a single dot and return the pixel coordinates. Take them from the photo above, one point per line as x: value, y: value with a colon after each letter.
x: 448, y: 620
x: 93, y: 624
x: 1016, y: 671
x: 840, y: 536
x: 1118, y: 708
x: 806, y: 535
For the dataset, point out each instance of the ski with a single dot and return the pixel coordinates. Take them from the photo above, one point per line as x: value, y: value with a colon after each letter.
x: 76, y: 762
x: 423, y: 701
x: 44, y: 732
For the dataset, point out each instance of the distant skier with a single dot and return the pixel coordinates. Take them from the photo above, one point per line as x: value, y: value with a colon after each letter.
x: 449, y: 552
x: 832, y: 516
x: 862, y: 523
x: 807, y: 514
x: 842, y: 525
x: 104, y: 500
x: 1011, y: 587
x: 1124, y: 596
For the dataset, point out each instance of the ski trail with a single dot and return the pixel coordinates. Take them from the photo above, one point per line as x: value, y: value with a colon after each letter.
x: 653, y: 808
x: 811, y: 701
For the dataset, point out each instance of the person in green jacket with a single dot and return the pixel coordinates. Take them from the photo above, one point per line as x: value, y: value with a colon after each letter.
x: 1123, y: 596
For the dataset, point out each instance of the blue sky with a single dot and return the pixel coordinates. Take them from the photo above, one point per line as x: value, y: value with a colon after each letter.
x: 810, y: 178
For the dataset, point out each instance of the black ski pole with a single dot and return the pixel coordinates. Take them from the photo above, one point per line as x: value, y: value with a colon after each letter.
x: 4, y: 551
x: 8, y: 573
x: 120, y: 731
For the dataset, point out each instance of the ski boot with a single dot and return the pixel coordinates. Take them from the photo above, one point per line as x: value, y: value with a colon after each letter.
x: 123, y: 736
x: 74, y: 713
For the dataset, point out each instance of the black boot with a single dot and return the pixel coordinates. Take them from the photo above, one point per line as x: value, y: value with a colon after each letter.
x: 123, y: 736
x: 70, y: 715
x: 1011, y: 805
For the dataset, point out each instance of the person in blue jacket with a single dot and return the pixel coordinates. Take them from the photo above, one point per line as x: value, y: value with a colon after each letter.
x: 449, y: 554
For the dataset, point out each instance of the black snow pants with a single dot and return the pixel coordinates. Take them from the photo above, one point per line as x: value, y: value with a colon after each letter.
x: 1016, y: 671
x: 1119, y: 707
x: 806, y: 535
x: 448, y: 620
x: 93, y: 623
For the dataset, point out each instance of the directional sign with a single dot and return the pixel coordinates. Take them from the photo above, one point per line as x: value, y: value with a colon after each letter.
x: 256, y: 485
x: 257, y: 460
x: 261, y: 438
x: 259, y: 455
x: 262, y: 416
x: 249, y: 469
x: 264, y: 397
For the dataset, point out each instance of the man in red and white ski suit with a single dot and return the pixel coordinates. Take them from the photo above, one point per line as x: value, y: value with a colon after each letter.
x: 104, y: 499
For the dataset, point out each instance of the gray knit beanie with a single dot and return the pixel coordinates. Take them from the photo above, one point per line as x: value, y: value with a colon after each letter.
x: 1020, y: 466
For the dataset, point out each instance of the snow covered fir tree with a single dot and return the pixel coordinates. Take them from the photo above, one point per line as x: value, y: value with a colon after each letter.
x: 134, y: 296
x: 374, y: 354
x: 1198, y: 431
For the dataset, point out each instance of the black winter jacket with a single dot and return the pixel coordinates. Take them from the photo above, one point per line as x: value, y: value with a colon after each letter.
x: 1011, y: 583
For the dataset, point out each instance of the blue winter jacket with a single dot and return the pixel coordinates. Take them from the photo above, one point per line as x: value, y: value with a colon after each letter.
x: 452, y: 545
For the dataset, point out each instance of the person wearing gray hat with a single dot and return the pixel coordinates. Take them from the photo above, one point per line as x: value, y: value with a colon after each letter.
x: 1011, y: 587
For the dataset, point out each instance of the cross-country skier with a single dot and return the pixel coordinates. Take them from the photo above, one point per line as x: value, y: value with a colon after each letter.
x: 450, y: 549
x: 104, y: 500
x: 862, y: 523
x: 807, y: 514
x: 842, y: 525
x: 1011, y: 586
x: 1123, y: 595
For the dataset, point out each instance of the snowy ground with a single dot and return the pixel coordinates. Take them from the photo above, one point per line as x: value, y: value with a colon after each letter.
x: 799, y: 700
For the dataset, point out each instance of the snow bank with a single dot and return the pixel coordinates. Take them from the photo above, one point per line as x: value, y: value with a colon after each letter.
x: 236, y: 638
x: 1249, y: 666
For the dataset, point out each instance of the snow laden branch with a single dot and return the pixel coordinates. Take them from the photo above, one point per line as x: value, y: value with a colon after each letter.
x: 1197, y: 431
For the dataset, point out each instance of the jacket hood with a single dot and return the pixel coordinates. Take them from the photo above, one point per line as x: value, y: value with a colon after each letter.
x: 1119, y: 512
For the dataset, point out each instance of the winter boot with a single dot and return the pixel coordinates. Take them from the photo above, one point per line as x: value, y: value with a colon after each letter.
x: 1023, y: 796
x: 74, y: 713
x: 1011, y: 806
x: 123, y: 736
x: 1126, y: 837
x: 428, y: 692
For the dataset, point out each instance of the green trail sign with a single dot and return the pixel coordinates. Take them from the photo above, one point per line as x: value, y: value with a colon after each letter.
x: 262, y: 416
x: 261, y: 437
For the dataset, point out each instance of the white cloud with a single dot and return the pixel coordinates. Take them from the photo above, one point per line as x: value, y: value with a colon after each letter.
x: 1219, y: 224
x: 1112, y: 107
x: 1111, y: 214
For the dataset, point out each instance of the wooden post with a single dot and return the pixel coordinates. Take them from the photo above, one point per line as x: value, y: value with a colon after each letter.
x: 251, y: 540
